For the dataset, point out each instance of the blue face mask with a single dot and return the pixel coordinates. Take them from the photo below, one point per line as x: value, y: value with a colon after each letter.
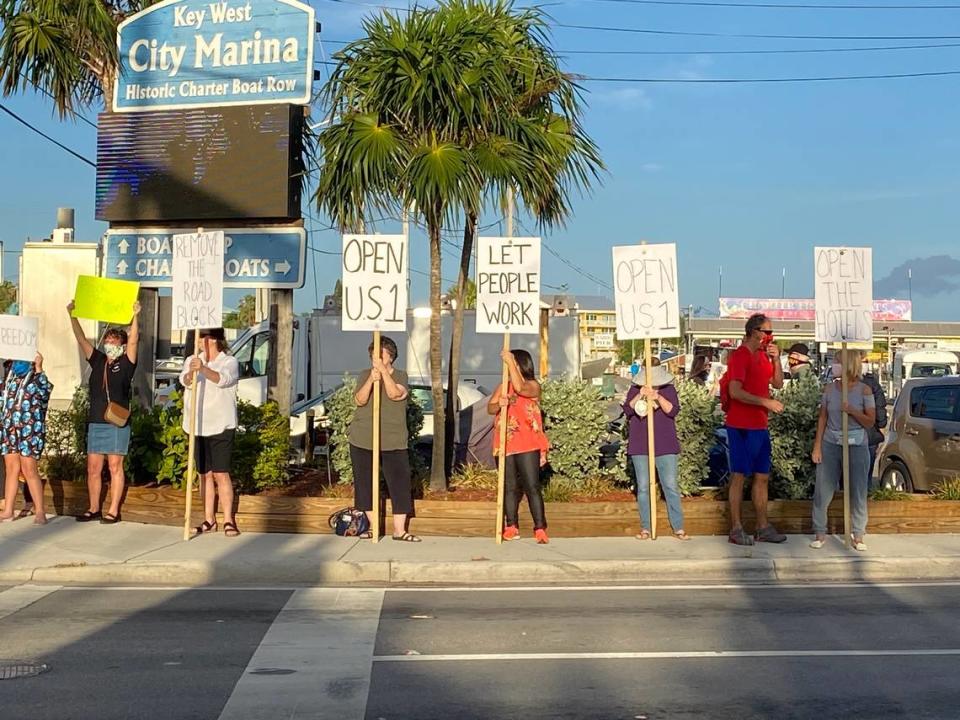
x: 21, y: 367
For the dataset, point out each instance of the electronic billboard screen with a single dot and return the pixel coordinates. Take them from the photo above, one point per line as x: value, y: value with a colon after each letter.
x: 223, y: 163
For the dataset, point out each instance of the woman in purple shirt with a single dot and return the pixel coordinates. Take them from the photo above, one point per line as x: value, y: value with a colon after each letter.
x: 662, y: 396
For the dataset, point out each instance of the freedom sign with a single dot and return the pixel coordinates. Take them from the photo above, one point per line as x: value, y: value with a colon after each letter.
x: 843, y: 294
x: 197, y: 53
x: 18, y: 337
x: 374, y: 282
x: 508, y: 285
x: 198, y: 280
x: 645, y: 289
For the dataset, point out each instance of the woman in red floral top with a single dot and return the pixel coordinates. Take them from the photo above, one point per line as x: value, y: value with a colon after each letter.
x: 526, y: 443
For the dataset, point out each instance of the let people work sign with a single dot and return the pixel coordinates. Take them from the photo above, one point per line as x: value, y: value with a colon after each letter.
x: 645, y: 288
x: 194, y: 53
x: 843, y: 294
x: 374, y: 282
x: 508, y: 285
x: 18, y: 337
x: 198, y: 280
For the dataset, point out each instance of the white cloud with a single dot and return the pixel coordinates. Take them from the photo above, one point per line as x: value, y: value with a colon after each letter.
x: 651, y: 167
x: 625, y: 98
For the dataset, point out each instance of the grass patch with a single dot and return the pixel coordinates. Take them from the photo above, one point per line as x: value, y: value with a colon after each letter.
x: 948, y: 489
x: 474, y: 477
x: 889, y: 494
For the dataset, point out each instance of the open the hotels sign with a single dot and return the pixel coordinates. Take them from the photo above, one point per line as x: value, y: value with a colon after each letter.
x: 188, y: 53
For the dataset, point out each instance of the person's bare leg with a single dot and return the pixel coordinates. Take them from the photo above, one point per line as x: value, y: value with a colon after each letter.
x: 94, y: 481
x: 225, y: 490
x: 759, y: 494
x: 399, y: 525
x: 11, y: 466
x: 28, y: 466
x: 117, y: 481
x: 209, y: 498
x: 735, y: 497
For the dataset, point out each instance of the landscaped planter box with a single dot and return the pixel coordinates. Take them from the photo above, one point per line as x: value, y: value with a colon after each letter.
x: 703, y: 516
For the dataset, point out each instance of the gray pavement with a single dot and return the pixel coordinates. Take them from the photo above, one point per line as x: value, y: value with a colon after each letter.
x: 65, y: 552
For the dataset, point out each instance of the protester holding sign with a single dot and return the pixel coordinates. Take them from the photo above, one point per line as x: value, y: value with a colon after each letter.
x: 394, y: 451
x: 828, y: 448
x: 216, y: 373
x: 23, y: 426
x: 658, y: 403
x: 108, y: 428
x: 527, y: 443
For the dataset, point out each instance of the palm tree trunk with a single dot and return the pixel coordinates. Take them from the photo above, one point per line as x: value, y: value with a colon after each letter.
x: 438, y: 480
x: 456, y: 340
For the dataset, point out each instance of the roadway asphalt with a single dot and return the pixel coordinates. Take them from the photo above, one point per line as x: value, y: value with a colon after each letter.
x: 715, y: 652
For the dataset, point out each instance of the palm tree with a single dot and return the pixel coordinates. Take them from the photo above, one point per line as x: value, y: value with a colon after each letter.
x: 440, y: 110
x: 66, y: 49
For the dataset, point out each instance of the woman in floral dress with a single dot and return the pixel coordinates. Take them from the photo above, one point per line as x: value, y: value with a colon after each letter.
x: 24, y: 397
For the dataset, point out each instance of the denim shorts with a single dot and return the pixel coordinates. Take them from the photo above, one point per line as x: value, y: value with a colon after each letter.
x: 107, y: 439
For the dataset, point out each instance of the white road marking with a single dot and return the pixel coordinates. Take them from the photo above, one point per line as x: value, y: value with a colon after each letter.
x: 17, y: 598
x: 315, y: 660
x: 708, y: 654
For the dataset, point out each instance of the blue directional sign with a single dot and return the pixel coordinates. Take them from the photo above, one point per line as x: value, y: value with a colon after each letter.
x: 254, y: 258
x: 199, y: 53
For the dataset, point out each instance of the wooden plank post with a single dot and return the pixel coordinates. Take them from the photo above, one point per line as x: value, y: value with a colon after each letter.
x: 844, y: 428
x: 191, y: 444
x: 544, y: 343
x: 502, y: 443
x: 375, y: 475
x: 651, y: 444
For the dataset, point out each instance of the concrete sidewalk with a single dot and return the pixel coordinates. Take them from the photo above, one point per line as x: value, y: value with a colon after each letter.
x: 66, y: 552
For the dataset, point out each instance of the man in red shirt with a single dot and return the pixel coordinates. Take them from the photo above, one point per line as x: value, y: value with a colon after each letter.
x: 752, y: 369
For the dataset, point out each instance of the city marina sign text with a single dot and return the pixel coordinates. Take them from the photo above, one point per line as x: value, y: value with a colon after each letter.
x: 193, y: 53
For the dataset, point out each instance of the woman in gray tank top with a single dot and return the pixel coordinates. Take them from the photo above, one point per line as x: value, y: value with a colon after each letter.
x: 828, y: 450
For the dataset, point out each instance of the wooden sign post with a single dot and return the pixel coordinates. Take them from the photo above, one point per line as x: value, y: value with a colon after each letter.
x: 508, y: 302
x: 843, y: 296
x: 374, y: 272
x: 647, y: 307
x: 197, y: 271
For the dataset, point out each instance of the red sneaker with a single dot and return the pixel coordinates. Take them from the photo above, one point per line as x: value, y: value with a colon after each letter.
x: 541, y: 536
x: 511, y: 532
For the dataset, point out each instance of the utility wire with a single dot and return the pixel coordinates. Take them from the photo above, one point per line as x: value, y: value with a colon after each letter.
x: 688, y: 33
x: 59, y: 144
x: 781, y: 6
x: 729, y: 81
x: 785, y: 51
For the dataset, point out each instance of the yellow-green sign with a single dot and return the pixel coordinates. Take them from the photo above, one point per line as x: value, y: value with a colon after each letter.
x: 109, y: 301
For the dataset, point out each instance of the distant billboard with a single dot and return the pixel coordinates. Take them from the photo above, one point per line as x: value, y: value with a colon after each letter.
x: 803, y: 309
x: 196, y: 165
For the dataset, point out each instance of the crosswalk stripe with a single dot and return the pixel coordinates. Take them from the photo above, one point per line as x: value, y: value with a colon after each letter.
x: 15, y: 599
x: 315, y: 660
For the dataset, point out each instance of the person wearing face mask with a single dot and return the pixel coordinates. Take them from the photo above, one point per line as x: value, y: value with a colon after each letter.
x: 745, y: 394
x: 216, y: 373
x: 108, y: 422
x: 798, y: 358
x: 24, y: 398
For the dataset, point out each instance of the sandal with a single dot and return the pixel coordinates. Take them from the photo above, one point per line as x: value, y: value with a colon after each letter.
x: 643, y: 535
x: 406, y: 537
x: 205, y: 527
x: 88, y: 515
x: 108, y: 519
x: 682, y: 535
x: 368, y: 535
x: 230, y: 529
x: 25, y: 513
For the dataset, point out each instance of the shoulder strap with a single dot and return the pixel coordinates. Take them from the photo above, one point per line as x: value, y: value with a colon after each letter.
x: 106, y: 385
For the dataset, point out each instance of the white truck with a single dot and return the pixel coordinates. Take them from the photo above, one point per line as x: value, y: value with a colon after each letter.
x: 909, y: 364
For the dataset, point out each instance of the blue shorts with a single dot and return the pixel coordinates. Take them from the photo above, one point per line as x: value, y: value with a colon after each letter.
x: 107, y: 439
x: 750, y: 451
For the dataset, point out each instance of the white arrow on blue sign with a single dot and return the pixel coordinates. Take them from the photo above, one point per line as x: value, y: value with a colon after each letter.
x: 255, y: 258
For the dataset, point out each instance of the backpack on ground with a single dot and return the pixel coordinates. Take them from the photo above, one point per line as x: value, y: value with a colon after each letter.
x: 349, y: 522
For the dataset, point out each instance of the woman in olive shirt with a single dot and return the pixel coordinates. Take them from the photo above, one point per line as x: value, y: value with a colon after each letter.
x: 394, y: 456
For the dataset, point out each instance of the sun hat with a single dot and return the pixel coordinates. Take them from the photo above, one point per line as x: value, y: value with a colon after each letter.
x: 659, y: 377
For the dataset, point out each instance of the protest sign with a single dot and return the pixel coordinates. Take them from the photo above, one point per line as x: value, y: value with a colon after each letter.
x: 109, y: 301
x: 508, y: 285
x: 843, y: 294
x: 18, y: 337
x: 645, y: 288
x: 374, y: 282
x: 197, y: 272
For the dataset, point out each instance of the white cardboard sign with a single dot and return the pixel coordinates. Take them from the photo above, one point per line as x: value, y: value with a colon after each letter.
x: 843, y: 294
x: 645, y: 289
x: 18, y: 337
x: 374, y: 271
x: 508, y: 285
x: 197, y: 271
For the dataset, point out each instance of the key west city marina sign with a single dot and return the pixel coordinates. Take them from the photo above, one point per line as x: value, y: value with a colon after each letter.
x: 188, y: 53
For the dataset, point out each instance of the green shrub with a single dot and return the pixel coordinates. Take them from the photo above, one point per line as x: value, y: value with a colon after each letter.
x: 145, y: 456
x: 575, y: 424
x: 697, y: 423
x: 173, y: 466
x: 340, y: 410
x: 65, y: 454
x: 474, y: 476
x: 882, y: 493
x: 948, y: 489
x: 792, y: 433
x: 271, y: 468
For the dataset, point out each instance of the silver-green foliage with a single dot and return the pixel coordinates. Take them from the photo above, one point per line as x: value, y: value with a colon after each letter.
x: 792, y: 433
x: 697, y: 423
x: 575, y: 424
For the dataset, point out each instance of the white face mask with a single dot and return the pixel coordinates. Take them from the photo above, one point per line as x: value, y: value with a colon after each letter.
x: 112, y: 351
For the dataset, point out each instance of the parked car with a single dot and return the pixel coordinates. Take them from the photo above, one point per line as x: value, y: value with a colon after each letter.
x: 923, y: 442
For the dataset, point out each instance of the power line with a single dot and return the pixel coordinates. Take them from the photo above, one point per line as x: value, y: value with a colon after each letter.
x: 60, y: 145
x: 688, y: 33
x: 781, y: 6
x: 785, y: 51
x: 821, y: 78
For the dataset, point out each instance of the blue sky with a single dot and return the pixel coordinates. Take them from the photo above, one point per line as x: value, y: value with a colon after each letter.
x: 747, y: 176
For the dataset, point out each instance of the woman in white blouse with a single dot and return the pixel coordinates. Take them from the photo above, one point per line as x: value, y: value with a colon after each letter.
x: 217, y: 374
